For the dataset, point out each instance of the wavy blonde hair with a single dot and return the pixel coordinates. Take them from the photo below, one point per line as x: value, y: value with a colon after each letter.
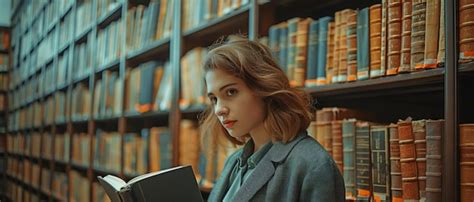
x: 288, y: 109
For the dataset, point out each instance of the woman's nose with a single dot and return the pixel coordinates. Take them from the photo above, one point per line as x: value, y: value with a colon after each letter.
x: 221, y: 110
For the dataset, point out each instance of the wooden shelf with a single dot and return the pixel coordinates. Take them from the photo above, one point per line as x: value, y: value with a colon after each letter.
x: 65, y: 12
x: 114, y: 64
x: 79, y: 167
x: 81, y: 78
x: 64, y: 48
x: 83, y: 35
x: 422, y: 81
x: 158, y: 49
x: 147, y: 115
x: 113, y: 14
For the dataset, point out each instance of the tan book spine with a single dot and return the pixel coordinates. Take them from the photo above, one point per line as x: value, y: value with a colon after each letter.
x: 406, y: 37
x: 442, y: 37
x: 395, y: 167
x: 466, y: 31
x: 394, y: 36
x: 337, y: 46
x: 408, y: 161
x: 434, y: 134
x: 330, y: 53
x: 342, y: 64
x: 351, y: 45
x: 301, y: 51
x: 323, y: 128
x: 419, y: 132
x: 432, y: 31
x: 375, y: 36
x: 337, y: 150
x: 467, y: 161
x: 418, y: 34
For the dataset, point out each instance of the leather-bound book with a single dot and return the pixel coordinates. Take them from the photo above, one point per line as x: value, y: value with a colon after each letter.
x: 301, y: 51
x: 432, y: 33
x: 395, y: 167
x: 323, y: 128
x: 406, y: 37
x: 408, y: 160
x: 419, y: 133
x: 418, y: 34
x: 351, y: 34
x: 442, y: 37
x: 337, y: 150
x: 349, y: 157
x: 466, y: 144
x: 466, y: 30
x: 330, y: 52
x: 374, y: 73
x: 342, y: 65
x: 363, y: 166
x: 375, y: 41
x: 434, y: 134
x: 337, y: 45
x: 394, y: 36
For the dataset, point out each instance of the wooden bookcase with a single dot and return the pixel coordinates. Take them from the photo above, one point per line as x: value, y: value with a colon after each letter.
x: 442, y: 93
x: 4, y: 120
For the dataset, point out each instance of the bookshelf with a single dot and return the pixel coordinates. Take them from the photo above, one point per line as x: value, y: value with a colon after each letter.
x: 5, y: 66
x: 437, y: 91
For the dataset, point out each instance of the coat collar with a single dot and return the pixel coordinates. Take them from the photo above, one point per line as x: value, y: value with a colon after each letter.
x: 265, y: 169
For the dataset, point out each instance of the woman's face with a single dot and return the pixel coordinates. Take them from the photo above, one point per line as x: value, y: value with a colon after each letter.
x: 239, y: 111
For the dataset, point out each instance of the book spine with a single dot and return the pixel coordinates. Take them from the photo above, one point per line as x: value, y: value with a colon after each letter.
x: 467, y: 161
x: 348, y: 142
x: 321, y: 58
x: 434, y: 134
x: 419, y: 132
x: 375, y: 41
x: 337, y: 150
x: 405, y: 65
x: 313, y: 39
x: 374, y: 73
x: 274, y: 41
x: 395, y: 167
x: 351, y: 44
x: 292, y: 46
x: 283, y: 57
x: 330, y: 52
x: 342, y: 64
x: 418, y: 34
x: 380, y: 162
x: 363, y: 167
x: 466, y: 31
x: 337, y: 46
x: 408, y: 161
x: 394, y: 36
x: 432, y: 31
x: 363, y: 61
x: 442, y: 35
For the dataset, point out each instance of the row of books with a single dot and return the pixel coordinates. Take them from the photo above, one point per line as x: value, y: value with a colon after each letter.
x: 25, y: 170
x: 81, y: 102
x: 148, y: 87
x: 399, y: 161
x: 84, y: 13
x: 83, y: 58
x: 108, y: 48
x: 146, y: 24
x: 4, y: 62
x: 26, y: 93
x: 66, y: 27
x: 64, y: 65
x: 383, y: 39
x: 192, y: 90
x: 4, y: 40
x: 197, y: 13
x: 16, y: 192
x: 105, y: 6
x: 28, y: 117
x: 108, y: 95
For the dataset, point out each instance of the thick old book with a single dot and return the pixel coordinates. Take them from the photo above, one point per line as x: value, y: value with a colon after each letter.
x: 330, y: 52
x: 434, y: 134
x: 292, y: 47
x: 337, y: 150
x: 431, y: 35
x: 378, y: 72
x: 442, y: 35
x: 323, y: 50
x: 313, y: 39
x: 363, y: 165
x: 351, y: 34
x: 408, y: 160
x: 299, y: 73
x: 419, y: 132
x: 406, y: 37
x: 418, y: 34
x: 394, y: 36
x: 467, y: 161
x: 174, y: 184
x: 395, y: 167
x: 375, y: 41
x: 379, y: 144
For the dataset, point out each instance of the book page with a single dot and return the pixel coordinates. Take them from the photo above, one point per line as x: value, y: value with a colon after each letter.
x: 115, y: 182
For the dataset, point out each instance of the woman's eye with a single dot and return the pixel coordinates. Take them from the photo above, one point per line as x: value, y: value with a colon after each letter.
x: 231, y: 92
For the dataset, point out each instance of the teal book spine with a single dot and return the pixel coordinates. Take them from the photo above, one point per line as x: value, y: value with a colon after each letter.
x: 283, y: 57
x: 363, y: 52
x: 312, y: 54
x: 322, y: 50
x: 348, y: 144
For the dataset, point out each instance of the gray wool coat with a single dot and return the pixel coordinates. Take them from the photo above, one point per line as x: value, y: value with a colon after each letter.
x: 300, y: 170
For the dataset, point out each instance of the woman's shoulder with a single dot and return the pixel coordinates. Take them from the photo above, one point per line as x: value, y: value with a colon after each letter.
x: 310, y: 153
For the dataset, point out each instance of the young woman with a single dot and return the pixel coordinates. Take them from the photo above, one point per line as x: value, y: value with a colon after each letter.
x: 254, y: 105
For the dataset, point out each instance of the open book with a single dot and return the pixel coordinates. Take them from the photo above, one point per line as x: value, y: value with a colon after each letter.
x: 174, y: 184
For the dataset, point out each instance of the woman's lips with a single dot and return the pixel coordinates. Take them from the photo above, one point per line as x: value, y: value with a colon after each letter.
x: 229, y: 124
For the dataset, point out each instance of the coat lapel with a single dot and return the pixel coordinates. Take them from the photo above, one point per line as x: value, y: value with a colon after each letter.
x: 266, y: 168
x: 224, y: 183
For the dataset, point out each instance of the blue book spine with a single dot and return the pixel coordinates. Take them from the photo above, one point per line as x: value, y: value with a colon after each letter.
x: 363, y: 61
x: 166, y: 150
x: 348, y: 143
x: 312, y: 52
x: 283, y: 48
x: 274, y: 38
x: 322, y: 50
